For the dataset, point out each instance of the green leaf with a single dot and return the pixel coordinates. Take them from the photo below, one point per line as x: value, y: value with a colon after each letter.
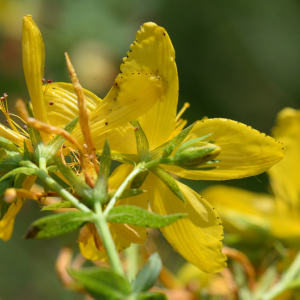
x: 102, y: 283
x: 53, y: 169
x: 19, y: 179
x: 152, y: 296
x: 22, y: 170
x: 81, y: 188
x: 167, y: 148
x: 142, y: 143
x: 147, y: 276
x: 58, y: 205
x: 101, y: 185
x: 131, y: 159
x: 139, y: 180
x: 26, y: 152
x: 57, y: 224
x: 134, y: 215
x: 8, y: 146
x: 54, y: 145
x: 9, y: 163
x: 34, y: 134
x: 168, y: 180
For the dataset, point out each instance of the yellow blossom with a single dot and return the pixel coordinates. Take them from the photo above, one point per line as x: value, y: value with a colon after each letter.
x: 242, y: 151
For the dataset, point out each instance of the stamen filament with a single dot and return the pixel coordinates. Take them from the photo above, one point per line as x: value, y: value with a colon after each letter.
x: 185, y: 106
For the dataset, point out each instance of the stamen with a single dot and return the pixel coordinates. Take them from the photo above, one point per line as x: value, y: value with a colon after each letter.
x: 185, y: 106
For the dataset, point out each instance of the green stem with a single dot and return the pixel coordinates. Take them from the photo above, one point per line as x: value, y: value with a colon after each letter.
x: 137, y: 170
x: 285, y: 281
x: 61, y: 191
x: 107, y: 239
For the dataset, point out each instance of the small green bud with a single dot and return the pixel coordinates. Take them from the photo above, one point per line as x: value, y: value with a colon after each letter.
x: 194, y: 155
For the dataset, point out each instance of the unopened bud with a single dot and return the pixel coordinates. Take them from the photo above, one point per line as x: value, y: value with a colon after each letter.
x: 196, y: 154
x: 10, y: 195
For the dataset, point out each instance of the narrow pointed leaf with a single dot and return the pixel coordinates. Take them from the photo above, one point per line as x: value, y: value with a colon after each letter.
x: 166, y: 149
x: 168, y: 180
x: 26, y: 152
x: 139, y: 180
x: 8, y: 164
x: 54, y: 145
x: 152, y: 296
x: 35, y: 135
x: 101, y: 185
x: 22, y: 170
x: 58, y: 205
x: 131, y: 159
x: 81, y: 188
x: 147, y: 276
x: 134, y: 215
x: 102, y: 283
x: 142, y: 143
x: 57, y: 224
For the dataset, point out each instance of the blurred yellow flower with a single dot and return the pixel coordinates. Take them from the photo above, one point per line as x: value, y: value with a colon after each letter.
x: 252, y: 216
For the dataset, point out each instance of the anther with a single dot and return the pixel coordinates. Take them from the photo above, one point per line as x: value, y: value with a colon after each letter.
x: 51, y: 103
x: 7, y: 121
x: 49, y: 81
x: 64, y: 146
x: 43, y: 79
x: 2, y: 98
x: 5, y: 95
x: 25, y: 126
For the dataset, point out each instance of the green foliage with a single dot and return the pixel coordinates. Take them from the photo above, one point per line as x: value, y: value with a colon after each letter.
x: 57, y: 224
x: 5, y: 184
x: 102, y: 283
x: 152, y: 296
x: 167, y: 148
x: 139, y: 180
x: 130, y: 159
x: 58, y: 205
x: 147, y: 276
x: 168, y: 180
x: 134, y: 215
x: 142, y: 143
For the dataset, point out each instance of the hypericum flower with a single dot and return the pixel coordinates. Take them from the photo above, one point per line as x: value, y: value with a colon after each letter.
x: 251, y: 216
x: 214, y: 149
x: 133, y: 93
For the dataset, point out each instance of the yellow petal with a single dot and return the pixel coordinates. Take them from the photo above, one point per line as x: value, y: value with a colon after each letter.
x: 12, y: 136
x: 241, y: 211
x: 284, y: 176
x: 65, y: 108
x: 197, y: 237
x: 153, y: 52
x: 33, y: 54
x: 244, y: 151
x: 7, y: 223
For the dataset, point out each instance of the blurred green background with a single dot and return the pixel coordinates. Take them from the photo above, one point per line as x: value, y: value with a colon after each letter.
x: 236, y: 59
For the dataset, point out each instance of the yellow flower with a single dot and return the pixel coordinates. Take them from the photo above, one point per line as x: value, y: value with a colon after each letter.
x: 243, y: 152
x: 134, y: 92
x: 254, y: 216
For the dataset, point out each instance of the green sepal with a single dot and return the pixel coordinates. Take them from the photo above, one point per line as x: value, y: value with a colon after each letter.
x: 58, y: 205
x: 81, y: 188
x: 4, y: 185
x: 19, y: 179
x: 101, y: 185
x: 21, y: 170
x: 102, y: 283
x: 142, y: 143
x: 26, y: 155
x: 167, y: 148
x: 9, y: 163
x: 152, y: 296
x: 139, y: 180
x: 168, y: 180
x: 138, y: 216
x: 34, y: 134
x: 128, y: 193
x: 53, y: 169
x: 54, y: 145
x: 191, y: 142
x: 57, y: 224
x: 147, y: 276
x: 130, y: 159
